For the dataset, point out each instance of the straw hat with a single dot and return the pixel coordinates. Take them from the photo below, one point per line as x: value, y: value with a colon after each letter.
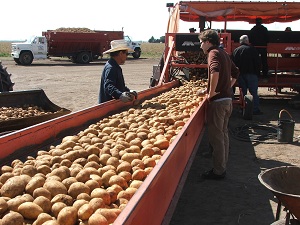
x: 117, y: 45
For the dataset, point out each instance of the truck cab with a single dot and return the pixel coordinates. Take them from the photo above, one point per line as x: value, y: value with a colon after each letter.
x: 135, y: 46
x: 33, y: 48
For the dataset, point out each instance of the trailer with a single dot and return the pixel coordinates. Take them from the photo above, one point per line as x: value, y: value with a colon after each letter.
x: 80, y: 47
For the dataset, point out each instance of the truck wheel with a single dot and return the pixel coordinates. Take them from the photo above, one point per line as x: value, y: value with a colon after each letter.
x: 26, y: 58
x: 248, y: 109
x: 84, y: 58
x: 137, y: 53
x: 17, y: 60
x: 73, y: 59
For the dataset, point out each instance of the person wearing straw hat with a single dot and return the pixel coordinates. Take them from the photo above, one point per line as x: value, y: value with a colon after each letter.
x: 112, y: 84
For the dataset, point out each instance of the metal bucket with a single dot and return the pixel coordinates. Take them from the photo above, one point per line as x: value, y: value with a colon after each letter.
x: 285, y: 131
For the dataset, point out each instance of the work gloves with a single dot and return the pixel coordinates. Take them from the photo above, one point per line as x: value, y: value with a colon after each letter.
x: 128, y: 96
x: 134, y: 94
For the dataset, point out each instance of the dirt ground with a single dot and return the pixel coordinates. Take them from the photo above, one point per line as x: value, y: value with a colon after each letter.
x: 238, y: 199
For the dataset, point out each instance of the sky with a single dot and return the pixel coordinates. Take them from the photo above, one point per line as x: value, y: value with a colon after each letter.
x: 139, y: 20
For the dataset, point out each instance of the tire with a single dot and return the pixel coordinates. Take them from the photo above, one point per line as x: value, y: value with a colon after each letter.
x: 84, y: 57
x: 26, y: 58
x: 73, y: 59
x: 95, y: 57
x: 17, y: 60
x: 248, y: 107
x: 137, y: 53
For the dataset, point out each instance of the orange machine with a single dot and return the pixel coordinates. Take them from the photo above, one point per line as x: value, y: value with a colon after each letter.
x: 151, y: 202
x: 285, y: 69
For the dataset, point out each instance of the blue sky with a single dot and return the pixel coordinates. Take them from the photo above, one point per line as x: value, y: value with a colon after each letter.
x: 139, y: 19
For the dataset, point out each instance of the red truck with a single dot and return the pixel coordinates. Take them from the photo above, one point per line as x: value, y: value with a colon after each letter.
x: 80, y: 47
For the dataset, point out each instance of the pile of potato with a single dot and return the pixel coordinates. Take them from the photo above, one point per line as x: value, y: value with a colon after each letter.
x: 11, y: 113
x: 88, y: 178
x: 196, y: 58
x: 74, y: 30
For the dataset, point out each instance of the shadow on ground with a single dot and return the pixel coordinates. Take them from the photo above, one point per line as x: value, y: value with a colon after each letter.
x: 240, y: 198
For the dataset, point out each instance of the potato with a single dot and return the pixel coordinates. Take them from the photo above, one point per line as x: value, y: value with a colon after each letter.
x: 113, y: 161
x: 3, y: 205
x: 34, y: 183
x: 43, y: 217
x: 67, y: 216
x: 139, y: 174
x: 12, y: 218
x: 29, y: 170
x: 67, y: 199
x: 57, y: 207
x: 30, y: 210
x: 101, y: 193
x: 12, y: 187
x: 44, y: 169
x: 78, y: 203
x: 124, y: 194
x: 41, y: 192
x: 62, y: 172
x: 77, y: 188
x: 129, y: 157
x: 106, y: 176
x: 83, y: 176
x: 55, y: 187
x: 149, y: 162
x: 161, y: 144
x: 51, y: 222
x: 68, y: 181
x: 109, y: 214
x: 126, y: 175
x: 97, y: 203
x: 14, y: 203
x: 85, y: 211
x: 92, y: 184
x: 116, y: 179
x: 5, y: 176
x: 136, y: 184
x: 124, y: 166
x: 44, y: 203
x: 84, y: 196
x: 97, y: 219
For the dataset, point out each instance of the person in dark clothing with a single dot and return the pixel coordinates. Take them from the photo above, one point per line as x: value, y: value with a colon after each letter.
x: 259, y: 38
x: 112, y: 84
x: 246, y: 58
x: 222, y: 75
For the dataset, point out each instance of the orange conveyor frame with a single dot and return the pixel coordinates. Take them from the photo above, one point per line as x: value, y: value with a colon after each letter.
x: 154, y: 201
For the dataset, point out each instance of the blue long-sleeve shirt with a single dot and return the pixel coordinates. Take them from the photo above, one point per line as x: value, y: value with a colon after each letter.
x: 112, y: 82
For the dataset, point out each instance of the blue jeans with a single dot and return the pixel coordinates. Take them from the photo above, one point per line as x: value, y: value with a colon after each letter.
x: 250, y: 82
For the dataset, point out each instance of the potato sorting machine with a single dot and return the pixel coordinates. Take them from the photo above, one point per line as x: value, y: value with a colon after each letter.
x: 151, y: 202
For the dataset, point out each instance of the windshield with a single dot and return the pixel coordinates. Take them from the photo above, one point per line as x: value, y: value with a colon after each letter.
x: 126, y: 38
x: 30, y: 40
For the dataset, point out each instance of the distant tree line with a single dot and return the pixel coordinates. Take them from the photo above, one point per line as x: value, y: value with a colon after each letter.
x: 160, y: 40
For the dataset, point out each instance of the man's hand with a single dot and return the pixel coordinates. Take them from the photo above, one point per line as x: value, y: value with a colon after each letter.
x: 134, y: 94
x: 126, y: 97
x: 212, y: 94
x: 201, y: 92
